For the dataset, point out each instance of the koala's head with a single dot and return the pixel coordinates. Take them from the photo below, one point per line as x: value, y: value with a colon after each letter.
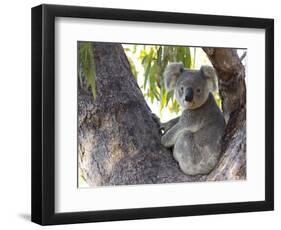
x: 191, y: 87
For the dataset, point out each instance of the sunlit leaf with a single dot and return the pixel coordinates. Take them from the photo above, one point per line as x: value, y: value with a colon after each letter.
x: 218, y: 99
x: 80, y: 76
x: 163, y: 102
x: 170, y: 96
x: 147, y: 65
x: 156, y: 93
x: 154, y: 59
x: 159, y: 55
x: 133, y: 67
x: 144, y: 60
x: 86, y: 57
x: 194, y: 58
x: 180, y: 52
x: 134, y: 49
x: 187, y: 58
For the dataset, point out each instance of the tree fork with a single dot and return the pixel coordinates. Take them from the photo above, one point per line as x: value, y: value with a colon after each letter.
x: 118, y: 140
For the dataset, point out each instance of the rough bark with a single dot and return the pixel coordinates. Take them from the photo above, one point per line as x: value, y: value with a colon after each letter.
x: 118, y: 140
x: 231, y: 78
x: 232, y: 89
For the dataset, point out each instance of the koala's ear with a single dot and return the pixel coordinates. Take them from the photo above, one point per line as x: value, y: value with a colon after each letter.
x: 210, y: 74
x: 171, y: 74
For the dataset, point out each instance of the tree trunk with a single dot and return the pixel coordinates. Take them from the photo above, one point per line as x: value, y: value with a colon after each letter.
x: 118, y: 140
x: 232, y: 89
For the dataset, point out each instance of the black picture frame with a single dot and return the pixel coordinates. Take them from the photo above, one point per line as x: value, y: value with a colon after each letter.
x: 43, y: 114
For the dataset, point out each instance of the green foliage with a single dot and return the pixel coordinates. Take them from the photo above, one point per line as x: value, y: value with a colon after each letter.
x: 218, y: 99
x: 87, y: 66
x: 154, y: 60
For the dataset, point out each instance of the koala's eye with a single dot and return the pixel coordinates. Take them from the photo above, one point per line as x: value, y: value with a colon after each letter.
x: 182, y: 89
x: 198, y: 90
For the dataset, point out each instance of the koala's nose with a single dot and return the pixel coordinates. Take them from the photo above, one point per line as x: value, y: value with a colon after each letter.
x: 189, y: 94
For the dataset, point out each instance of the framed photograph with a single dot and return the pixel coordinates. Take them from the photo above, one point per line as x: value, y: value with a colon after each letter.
x: 142, y: 114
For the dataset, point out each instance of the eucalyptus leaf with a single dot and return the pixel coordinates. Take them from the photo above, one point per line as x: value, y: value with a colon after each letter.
x: 87, y: 66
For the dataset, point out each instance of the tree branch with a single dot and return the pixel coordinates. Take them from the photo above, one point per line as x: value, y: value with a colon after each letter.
x: 231, y: 78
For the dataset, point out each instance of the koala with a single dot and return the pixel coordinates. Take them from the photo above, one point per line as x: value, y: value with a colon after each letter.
x: 197, y: 134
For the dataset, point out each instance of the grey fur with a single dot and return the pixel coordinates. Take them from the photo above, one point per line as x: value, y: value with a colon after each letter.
x: 196, y: 135
x: 171, y: 73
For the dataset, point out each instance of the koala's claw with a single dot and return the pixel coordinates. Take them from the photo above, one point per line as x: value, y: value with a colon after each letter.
x: 162, y: 129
